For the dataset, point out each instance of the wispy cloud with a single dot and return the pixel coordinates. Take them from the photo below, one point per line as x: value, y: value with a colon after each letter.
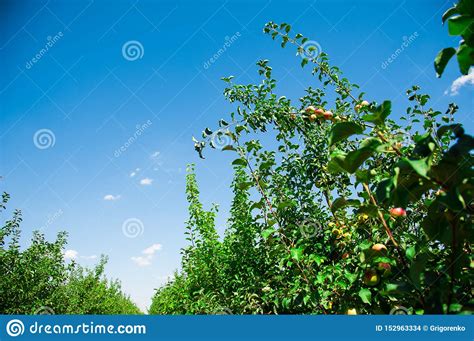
x: 74, y: 254
x: 70, y: 254
x: 155, y: 155
x: 146, y: 181
x: 461, y: 82
x: 148, y: 253
x: 111, y: 197
x: 142, y: 261
x: 152, y: 249
x: 135, y: 172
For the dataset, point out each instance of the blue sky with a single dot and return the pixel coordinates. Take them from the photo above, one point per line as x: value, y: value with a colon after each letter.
x: 64, y: 115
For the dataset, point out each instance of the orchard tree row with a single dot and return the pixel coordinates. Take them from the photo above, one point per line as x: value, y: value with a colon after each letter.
x: 37, y: 279
x: 347, y: 211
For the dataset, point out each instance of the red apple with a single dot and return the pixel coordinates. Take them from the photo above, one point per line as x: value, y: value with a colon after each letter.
x: 328, y: 115
x: 319, y: 112
x: 398, y: 212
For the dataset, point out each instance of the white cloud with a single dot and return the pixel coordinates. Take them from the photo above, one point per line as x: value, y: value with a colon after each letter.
x: 149, y: 253
x: 74, y: 254
x: 155, y: 155
x: 152, y: 249
x: 135, y: 172
x: 146, y: 181
x: 111, y: 197
x: 460, y: 82
x: 70, y: 254
x: 142, y: 261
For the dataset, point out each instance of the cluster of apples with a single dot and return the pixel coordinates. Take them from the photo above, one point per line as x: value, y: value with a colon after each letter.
x: 316, y: 113
x: 361, y: 105
x: 372, y: 276
x: 341, y: 236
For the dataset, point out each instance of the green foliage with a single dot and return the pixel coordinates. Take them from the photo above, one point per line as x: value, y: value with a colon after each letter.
x: 460, y: 20
x: 347, y: 209
x: 37, y: 280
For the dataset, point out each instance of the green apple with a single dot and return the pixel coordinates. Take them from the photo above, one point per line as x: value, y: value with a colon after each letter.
x: 371, y: 277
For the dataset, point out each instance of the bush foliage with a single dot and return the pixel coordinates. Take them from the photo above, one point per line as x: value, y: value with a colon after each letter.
x: 346, y: 211
x: 37, y: 280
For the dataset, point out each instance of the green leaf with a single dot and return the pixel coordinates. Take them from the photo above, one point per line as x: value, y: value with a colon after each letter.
x: 436, y: 225
x: 267, y: 233
x: 368, y: 209
x: 352, y: 161
x: 239, y: 162
x: 459, y: 25
x: 223, y: 123
x: 384, y: 188
x: 350, y: 277
x: 410, y: 252
x: 456, y: 129
x: 285, y: 204
x: 297, y: 253
x: 229, y: 147
x: 379, y: 114
x: 341, y: 131
x: 449, y: 12
x: 357, y: 157
x: 421, y: 167
x: 442, y: 60
x: 465, y: 58
x: 245, y: 185
x: 336, y: 163
x: 365, y: 295
x: 343, y: 202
